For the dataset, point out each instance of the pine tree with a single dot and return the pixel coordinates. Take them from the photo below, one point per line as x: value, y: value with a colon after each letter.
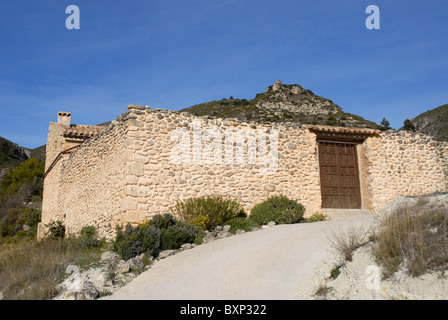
x: 385, y: 125
x: 408, y: 125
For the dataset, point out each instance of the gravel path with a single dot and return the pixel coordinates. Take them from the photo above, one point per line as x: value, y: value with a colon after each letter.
x: 269, y: 264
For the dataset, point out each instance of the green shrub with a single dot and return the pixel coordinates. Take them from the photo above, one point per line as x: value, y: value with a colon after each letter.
x: 201, y: 222
x: 32, y: 217
x: 13, y: 223
x: 8, y: 224
x: 209, y: 211
x: 161, y: 231
x: 134, y: 241
x: 241, y: 223
x: 56, y: 230
x: 335, y: 272
x: 176, y: 235
x: 279, y: 209
x: 331, y: 120
x: 88, y: 232
x: 88, y: 239
x: 316, y: 217
x: 161, y: 221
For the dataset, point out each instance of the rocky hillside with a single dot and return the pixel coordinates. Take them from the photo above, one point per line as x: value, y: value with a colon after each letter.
x: 12, y: 154
x: 279, y: 103
x: 433, y: 122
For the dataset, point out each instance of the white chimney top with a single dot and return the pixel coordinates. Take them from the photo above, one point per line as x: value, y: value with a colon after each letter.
x: 64, y: 118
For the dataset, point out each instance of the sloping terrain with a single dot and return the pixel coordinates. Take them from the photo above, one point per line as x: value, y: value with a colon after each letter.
x: 433, y: 122
x: 12, y: 154
x: 282, y: 103
x: 273, y: 263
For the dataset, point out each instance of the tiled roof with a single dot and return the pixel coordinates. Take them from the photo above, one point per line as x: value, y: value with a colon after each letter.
x: 334, y: 129
x: 77, y: 131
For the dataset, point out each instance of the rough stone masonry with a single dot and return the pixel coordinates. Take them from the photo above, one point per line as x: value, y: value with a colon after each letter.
x: 148, y: 159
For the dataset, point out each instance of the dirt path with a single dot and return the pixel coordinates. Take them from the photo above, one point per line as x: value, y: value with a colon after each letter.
x: 267, y: 264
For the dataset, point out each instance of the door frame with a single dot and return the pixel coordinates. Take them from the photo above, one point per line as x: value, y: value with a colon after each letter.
x: 357, y: 172
x: 354, y: 135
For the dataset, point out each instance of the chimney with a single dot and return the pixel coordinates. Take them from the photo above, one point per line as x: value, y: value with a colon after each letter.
x: 64, y: 118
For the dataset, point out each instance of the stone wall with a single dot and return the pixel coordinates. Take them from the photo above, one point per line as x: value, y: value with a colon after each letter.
x: 51, y: 204
x: 155, y: 182
x: 85, y: 188
x: 150, y: 158
x: 92, y: 185
x: 404, y: 164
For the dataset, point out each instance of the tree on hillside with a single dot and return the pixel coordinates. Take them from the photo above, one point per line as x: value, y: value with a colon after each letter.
x: 385, y: 125
x: 19, y: 186
x: 408, y: 125
x: 27, y: 178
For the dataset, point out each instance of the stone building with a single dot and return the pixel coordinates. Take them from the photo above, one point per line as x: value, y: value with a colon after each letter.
x: 147, y: 159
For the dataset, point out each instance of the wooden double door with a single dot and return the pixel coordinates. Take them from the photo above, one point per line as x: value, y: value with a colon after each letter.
x: 339, y: 175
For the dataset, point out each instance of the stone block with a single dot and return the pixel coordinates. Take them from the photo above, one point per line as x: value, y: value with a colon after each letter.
x: 141, y: 159
x: 134, y: 216
x: 131, y: 179
x: 135, y: 169
x: 137, y: 191
x: 129, y: 203
x: 145, y: 181
x: 269, y: 187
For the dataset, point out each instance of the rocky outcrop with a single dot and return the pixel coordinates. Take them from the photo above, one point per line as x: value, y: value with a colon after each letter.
x: 295, y: 99
x: 279, y: 103
x: 105, y: 277
x: 11, y: 153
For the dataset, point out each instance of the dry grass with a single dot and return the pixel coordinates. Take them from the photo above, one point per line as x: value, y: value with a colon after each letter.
x: 323, y: 291
x: 31, y: 270
x: 345, y: 242
x: 415, y: 236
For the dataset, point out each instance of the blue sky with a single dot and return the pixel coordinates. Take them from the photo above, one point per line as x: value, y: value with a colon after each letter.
x: 174, y: 54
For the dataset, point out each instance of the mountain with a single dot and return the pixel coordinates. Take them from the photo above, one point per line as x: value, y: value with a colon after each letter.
x: 280, y: 103
x: 12, y: 154
x: 39, y: 153
x: 433, y: 122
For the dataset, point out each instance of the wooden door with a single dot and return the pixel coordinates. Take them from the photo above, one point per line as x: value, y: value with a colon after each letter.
x: 339, y: 176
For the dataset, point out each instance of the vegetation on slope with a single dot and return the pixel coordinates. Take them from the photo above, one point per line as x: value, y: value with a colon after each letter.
x: 10, y: 154
x: 282, y: 105
x: 20, y: 200
x: 433, y: 122
x: 416, y: 236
